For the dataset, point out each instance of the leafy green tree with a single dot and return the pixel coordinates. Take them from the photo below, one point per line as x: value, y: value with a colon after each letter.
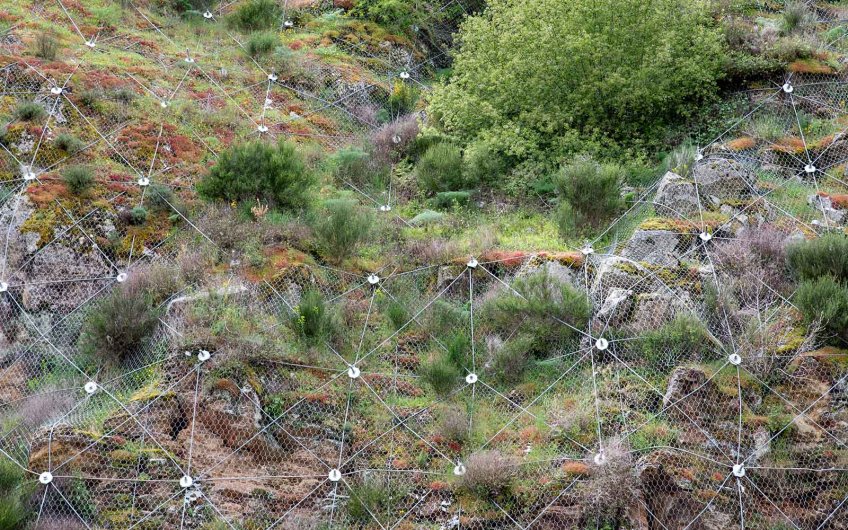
x: 546, y: 79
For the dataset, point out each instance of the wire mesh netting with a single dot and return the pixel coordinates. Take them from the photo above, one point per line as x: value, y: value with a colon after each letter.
x: 673, y: 383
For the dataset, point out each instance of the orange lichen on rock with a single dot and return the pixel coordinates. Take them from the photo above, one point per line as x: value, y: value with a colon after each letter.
x: 741, y: 143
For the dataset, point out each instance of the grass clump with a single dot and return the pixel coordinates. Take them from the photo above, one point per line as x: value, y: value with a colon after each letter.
x: 78, y: 179
x: 29, y: 111
x: 261, y: 43
x: 590, y: 193
x: 342, y: 228
x: 255, y: 15
x: 13, y: 493
x: 275, y: 174
x: 120, y: 324
x: 370, y: 498
x: 69, y: 143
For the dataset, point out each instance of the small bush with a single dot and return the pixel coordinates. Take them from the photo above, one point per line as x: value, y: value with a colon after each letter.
x: 543, y: 306
x: 453, y: 425
x: 824, y: 301
x: 342, y: 228
x: 797, y: 17
x: 684, y: 338
x: 138, y: 215
x: 370, y: 498
x: 682, y: 160
x: 261, y: 43
x: 159, y: 196
x: 69, y: 143
x: 394, y: 139
x: 275, y: 174
x: 824, y: 256
x: 440, y: 169
x: 29, y: 111
x: 13, y: 510
x: 120, y: 324
x: 397, y: 314
x: 255, y: 15
x: 451, y: 199
x: 512, y: 358
x: 312, y: 319
x: 591, y: 193
x: 488, y: 473
x: 441, y: 374
x: 354, y: 166
x: 78, y: 179
x: 46, y: 45
x: 402, y: 99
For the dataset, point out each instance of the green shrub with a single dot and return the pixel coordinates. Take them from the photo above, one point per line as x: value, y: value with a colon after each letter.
x: 14, y: 512
x: 451, y: 199
x: 138, y: 215
x: 159, y: 196
x: 397, y: 314
x: 29, y: 111
x: 342, y: 228
x: 547, y: 309
x: 261, y: 43
x: 275, y: 174
x: 46, y: 45
x: 370, y: 498
x: 78, y: 179
x: 683, y: 339
x: 69, y: 143
x: 512, y: 359
x: 255, y: 15
x: 121, y: 323
x: 682, y: 160
x: 440, y: 169
x: 354, y: 166
x: 441, y: 374
x: 824, y: 256
x: 402, y: 100
x: 312, y: 319
x: 607, y: 76
x: 591, y: 193
x: 797, y: 16
x: 824, y: 301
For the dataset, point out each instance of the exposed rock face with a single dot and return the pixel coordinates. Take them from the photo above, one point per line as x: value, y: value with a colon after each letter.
x: 676, y: 197
x: 614, y: 310
x: 829, y: 209
x: 653, y: 310
x: 657, y: 247
x: 720, y: 179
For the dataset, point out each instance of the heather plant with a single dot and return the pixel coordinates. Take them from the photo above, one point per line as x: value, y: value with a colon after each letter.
x: 488, y: 472
x: 826, y: 255
x: 120, y: 324
x: 261, y: 43
x: 824, y: 302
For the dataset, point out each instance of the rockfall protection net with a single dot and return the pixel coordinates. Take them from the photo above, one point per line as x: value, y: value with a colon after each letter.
x: 673, y: 386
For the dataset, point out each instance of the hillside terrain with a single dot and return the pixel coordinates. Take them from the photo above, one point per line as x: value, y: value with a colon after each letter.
x: 424, y: 264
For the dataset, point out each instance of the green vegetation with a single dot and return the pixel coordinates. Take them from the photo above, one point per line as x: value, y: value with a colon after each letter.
x: 69, y: 143
x: 14, y: 491
x: 683, y: 339
x: 29, y: 111
x: 342, y: 228
x: 588, y: 87
x: 120, y: 324
x: 440, y: 169
x: 274, y: 174
x: 823, y: 256
x: 78, y: 179
x: 256, y: 15
x: 261, y: 43
x: 590, y: 193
